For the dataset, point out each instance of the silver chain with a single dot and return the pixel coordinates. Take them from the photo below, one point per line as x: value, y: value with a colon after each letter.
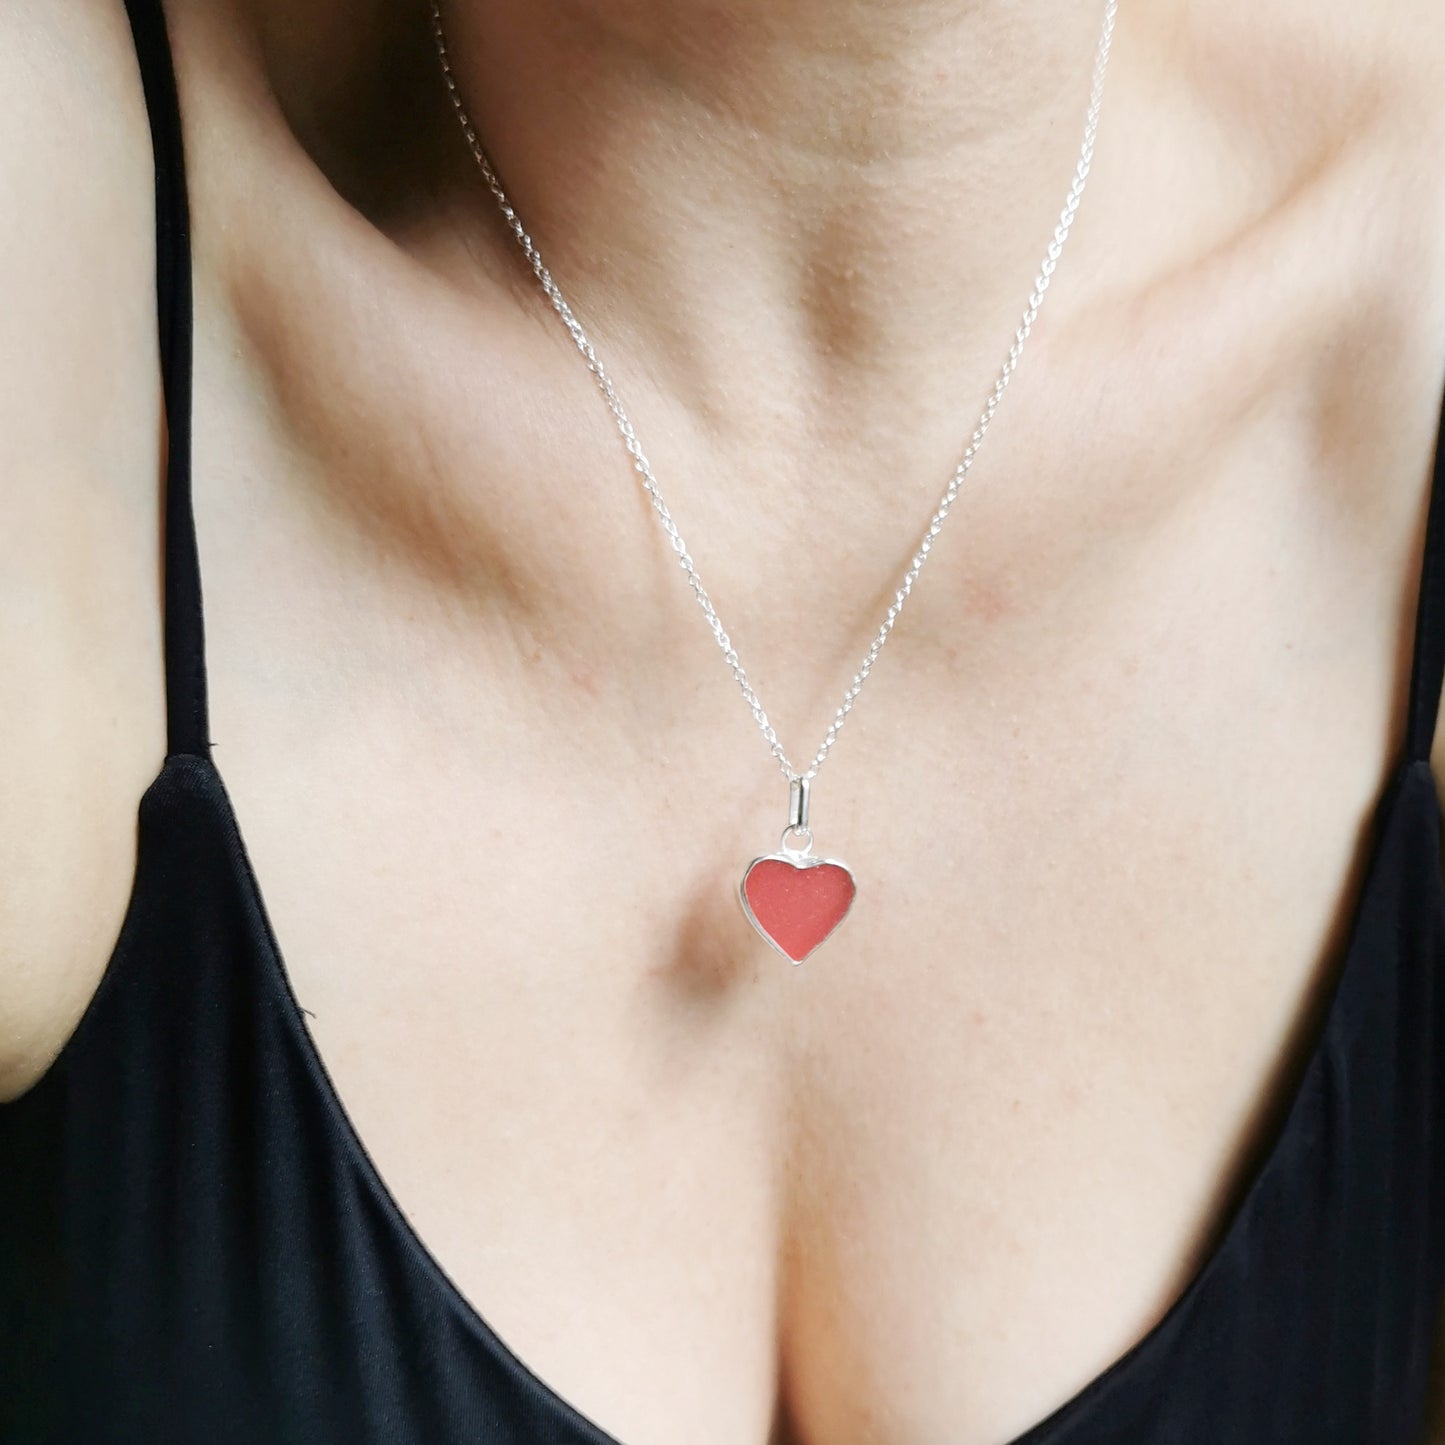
x: 644, y: 467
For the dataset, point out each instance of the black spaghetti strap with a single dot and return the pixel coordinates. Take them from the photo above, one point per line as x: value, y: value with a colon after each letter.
x: 1428, y: 668
x: 187, y: 722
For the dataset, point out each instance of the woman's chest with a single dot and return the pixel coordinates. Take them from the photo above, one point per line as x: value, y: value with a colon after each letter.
x: 1104, y: 798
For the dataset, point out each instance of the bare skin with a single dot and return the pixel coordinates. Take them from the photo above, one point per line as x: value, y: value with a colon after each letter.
x: 1105, y: 794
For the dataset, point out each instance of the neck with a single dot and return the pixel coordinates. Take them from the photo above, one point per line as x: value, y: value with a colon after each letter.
x: 800, y: 213
x: 859, y: 178
x: 840, y: 84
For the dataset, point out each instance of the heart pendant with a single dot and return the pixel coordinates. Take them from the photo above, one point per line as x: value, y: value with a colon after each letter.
x: 794, y: 898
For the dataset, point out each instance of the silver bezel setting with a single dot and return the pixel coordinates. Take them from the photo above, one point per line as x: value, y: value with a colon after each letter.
x: 802, y: 860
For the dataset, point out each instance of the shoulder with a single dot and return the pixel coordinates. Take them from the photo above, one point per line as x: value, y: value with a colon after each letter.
x: 74, y: 171
x: 1302, y: 89
x: 1370, y: 83
x: 79, y: 448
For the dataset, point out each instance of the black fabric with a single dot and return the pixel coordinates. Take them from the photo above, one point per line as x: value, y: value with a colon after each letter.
x: 1429, y: 652
x: 185, y: 647
x: 195, y: 1249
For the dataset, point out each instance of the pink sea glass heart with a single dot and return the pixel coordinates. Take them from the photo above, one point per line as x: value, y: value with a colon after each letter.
x: 795, y: 906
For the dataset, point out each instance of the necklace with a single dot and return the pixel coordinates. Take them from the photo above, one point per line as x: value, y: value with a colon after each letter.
x: 793, y: 897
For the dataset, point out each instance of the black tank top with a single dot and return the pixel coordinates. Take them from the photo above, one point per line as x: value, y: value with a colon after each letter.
x: 196, y: 1250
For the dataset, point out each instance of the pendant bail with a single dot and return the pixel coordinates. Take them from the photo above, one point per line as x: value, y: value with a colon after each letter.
x: 798, y: 805
x: 794, y: 898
